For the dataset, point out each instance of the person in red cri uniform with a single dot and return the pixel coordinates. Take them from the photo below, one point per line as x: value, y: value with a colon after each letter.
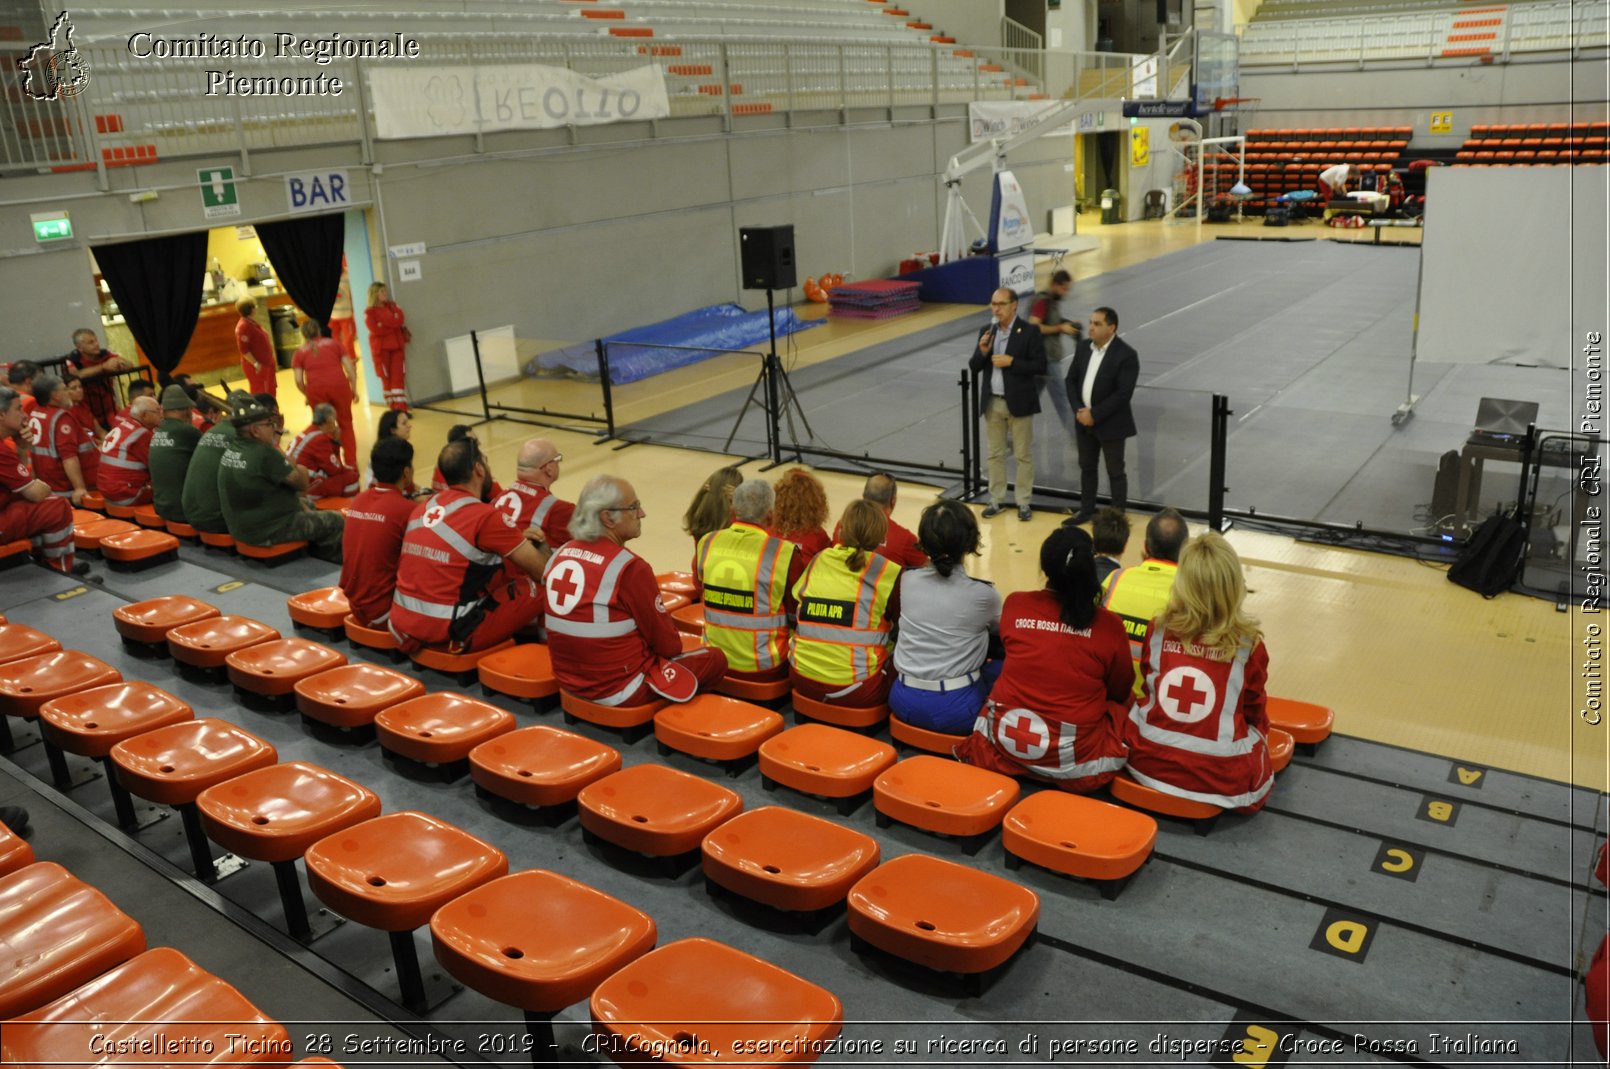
x: 343, y: 328
x: 89, y: 455
x: 746, y: 580
x: 453, y: 588
x: 94, y: 367
x: 457, y: 433
x: 137, y: 388
x: 611, y: 639
x: 1056, y: 711
x: 530, y: 501
x: 899, y: 545
x: 316, y: 450
x: 325, y: 375
x: 388, y: 343
x: 59, y: 441
x: 1199, y: 728
x: 256, y: 350
x: 20, y: 377
x: 124, y: 476
x: 28, y: 510
x: 372, y: 542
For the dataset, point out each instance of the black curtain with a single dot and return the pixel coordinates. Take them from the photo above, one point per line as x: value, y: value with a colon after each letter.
x: 306, y: 254
x: 157, y: 286
x: 1107, y: 151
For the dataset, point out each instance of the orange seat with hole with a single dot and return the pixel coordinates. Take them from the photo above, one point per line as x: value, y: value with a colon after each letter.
x: 922, y: 739
x: 843, y: 716
x: 609, y: 716
x: 943, y: 796
x: 1281, y: 745
x: 87, y: 537
x: 17, y: 642
x: 453, y: 663
x: 541, y: 766
x: 523, y: 671
x: 439, y: 729
x: 716, y: 728
x: 143, y: 546
x: 275, y: 813
x: 787, y: 859
x: 172, y: 765
x: 208, y: 643
x: 393, y: 872
x: 942, y: 915
x: 15, y: 852
x: 751, y: 690
x: 682, y: 583
x: 58, y: 933
x: 689, y: 619
x: 1127, y: 790
x: 158, y: 1000
x: 1078, y: 836
x: 146, y: 516
x: 277, y: 552
x: 217, y: 540
x: 1305, y: 722
x: 324, y: 609
x: 90, y: 722
x: 374, y: 638
x: 655, y: 810
x: 537, y: 940
x: 28, y: 683
x: 275, y: 667
x: 150, y: 621
x: 719, y: 997
x: 826, y: 761
x: 354, y: 694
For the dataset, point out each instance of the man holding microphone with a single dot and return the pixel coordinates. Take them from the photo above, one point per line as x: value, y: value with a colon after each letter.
x: 1009, y: 356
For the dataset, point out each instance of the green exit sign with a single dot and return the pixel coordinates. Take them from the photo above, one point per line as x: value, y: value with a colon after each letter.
x: 52, y: 227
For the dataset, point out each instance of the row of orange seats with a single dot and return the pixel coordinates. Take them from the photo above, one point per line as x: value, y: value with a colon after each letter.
x: 1347, y: 133
x: 1480, y: 131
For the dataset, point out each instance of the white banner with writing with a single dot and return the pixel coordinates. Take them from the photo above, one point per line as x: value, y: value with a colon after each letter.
x: 989, y: 119
x: 436, y: 101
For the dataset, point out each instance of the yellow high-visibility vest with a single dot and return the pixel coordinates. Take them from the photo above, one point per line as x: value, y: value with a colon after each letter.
x: 842, y: 636
x: 1138, y: 594
x: 744, y: 571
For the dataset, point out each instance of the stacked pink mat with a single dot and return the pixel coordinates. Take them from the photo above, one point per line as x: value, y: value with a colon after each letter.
x: 879, y: 298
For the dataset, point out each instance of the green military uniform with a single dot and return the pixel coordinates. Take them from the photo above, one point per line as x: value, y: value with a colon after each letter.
x: 172, y: 444
x: 201, y: 507
x: 262, y: 509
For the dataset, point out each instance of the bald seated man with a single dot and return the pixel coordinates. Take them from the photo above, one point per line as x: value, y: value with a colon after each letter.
x: 123, y: 476
x: 530, y: 501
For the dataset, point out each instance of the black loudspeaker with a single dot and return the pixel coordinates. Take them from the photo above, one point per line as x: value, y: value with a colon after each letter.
x: 768, y: 257
x: 1445, y: 491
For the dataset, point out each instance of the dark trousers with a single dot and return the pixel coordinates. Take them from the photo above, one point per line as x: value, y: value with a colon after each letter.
x: 1090, y: 448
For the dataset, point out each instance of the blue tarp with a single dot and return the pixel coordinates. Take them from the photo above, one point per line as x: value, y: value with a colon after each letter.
x: 698, y: 335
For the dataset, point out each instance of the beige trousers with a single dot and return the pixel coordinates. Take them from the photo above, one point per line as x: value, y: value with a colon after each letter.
x: 997, y: 422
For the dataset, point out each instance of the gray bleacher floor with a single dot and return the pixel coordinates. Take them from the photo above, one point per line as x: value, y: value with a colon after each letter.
x: 1310, y: 340
x: 1479, y: 936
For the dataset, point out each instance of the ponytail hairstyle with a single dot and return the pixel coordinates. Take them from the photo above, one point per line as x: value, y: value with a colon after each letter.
x: 1068, y: 559
x: 948, y: 532
x: 862, y: 528
x: 711, y: 508
x: 1205, y: 606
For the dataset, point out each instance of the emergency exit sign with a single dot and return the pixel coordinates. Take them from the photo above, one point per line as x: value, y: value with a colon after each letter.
x: 52, y: 226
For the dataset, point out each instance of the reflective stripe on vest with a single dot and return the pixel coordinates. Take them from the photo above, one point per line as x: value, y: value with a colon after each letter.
x: 545, y: 506
x: 119, y: 456
x: 1060, y: 763
x: 303, y: 440
x: 620, y: 696
x: 435, y: 610
x: 1224, y: 743
x: 757, y: 640
x: 46, y: 444
x: 1137, y: 594
x: 854, y: 650
x: 1223, y: 801
x: 454, y: 540
x: 600, y: 626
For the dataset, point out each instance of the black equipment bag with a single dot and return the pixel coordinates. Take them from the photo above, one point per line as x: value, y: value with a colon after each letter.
x: 1277, y: 215
x: 1491, y: 561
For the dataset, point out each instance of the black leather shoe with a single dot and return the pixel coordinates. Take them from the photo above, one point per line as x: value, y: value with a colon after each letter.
x: 1025, y: 513
x: 1082, y: 516
x: 991, y: 511
x: 81, y: 567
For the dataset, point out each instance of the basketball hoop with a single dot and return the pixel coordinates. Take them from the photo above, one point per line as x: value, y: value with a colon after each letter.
x: 1220, y: 103
x: 1180, y: 133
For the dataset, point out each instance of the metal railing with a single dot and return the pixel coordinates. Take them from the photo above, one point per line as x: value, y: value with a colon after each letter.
x: 136, y: 110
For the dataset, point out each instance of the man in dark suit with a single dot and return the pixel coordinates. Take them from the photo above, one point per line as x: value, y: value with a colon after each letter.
x: 1009, y: 354
x: 1100, y: 384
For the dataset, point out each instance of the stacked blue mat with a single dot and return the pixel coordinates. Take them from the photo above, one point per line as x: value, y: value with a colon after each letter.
x: 672, y: 343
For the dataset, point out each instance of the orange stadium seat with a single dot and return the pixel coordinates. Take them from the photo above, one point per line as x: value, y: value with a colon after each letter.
x: 58, y: 933
x: 786, y: 859
x: 654, y: 810
x: 147, y: 623
x: 825, y: 761
x: 1201, y: 815
x: 944, y: 797
x: 440, y: 730
x: 540, y: 767
x: 89, y: 723
x: 1079, y: 836
x: 324, y: 609
x: 715, y: 728
x: 354, y: 694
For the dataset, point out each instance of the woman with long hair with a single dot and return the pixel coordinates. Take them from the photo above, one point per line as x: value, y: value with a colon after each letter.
x: 800, y: 512
x: 1200, y: 727
x: 711, y: 508
x: 849, y: 600
x: 1056, y: 711
x: 942, y: 666
x: 388, y: 343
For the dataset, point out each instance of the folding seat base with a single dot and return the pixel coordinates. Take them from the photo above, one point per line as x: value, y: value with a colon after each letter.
x: 143, y: 563
x: 671, y: 866
x: 628, y: 735
x: 845, y: 805
x: 548, y: 816
x: 447, y: 772
x: 1110, y: 889
x: 971, y: 985
x: 265, y: 703
x: 733, y: 769
x: 65, y: 775
x: 808, y: 922
x: 970, y: 844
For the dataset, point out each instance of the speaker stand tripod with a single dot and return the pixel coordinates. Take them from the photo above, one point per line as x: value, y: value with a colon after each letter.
x: 775, y: 379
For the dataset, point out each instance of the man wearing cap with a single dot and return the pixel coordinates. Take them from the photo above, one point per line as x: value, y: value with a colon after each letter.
x: 124, y: 475
x: 261, y: 492
x: 172, y: 445
x: 202, y: 507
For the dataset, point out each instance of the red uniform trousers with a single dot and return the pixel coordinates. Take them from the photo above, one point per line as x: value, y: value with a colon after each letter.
x: 511, y: 607
x: 707, y: 663
x: 341, y: 401
x: 345, y: 333
x: 392, y: 367
x: 343, y: 483
x: 863, y: 695
x: 48, y: 524
x: 263, y: 380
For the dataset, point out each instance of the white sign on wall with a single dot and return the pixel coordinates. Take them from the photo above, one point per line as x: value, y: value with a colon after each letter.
x: 409, y: 271
x: 989, y: 119
x: 435, y: 101
x: 318, y: 191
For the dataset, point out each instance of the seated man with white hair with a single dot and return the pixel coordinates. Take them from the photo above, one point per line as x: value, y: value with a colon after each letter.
x: 318, y: 449
x: 747, y: 576
x: 124, y: 475
x: 611, y: 639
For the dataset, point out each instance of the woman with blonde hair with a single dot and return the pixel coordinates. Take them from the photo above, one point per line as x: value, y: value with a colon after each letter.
x: 800, y: 512
x: 849, y: 601
x: 711, y: 508
x: 1198, y: 729
x: 388, y: 344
